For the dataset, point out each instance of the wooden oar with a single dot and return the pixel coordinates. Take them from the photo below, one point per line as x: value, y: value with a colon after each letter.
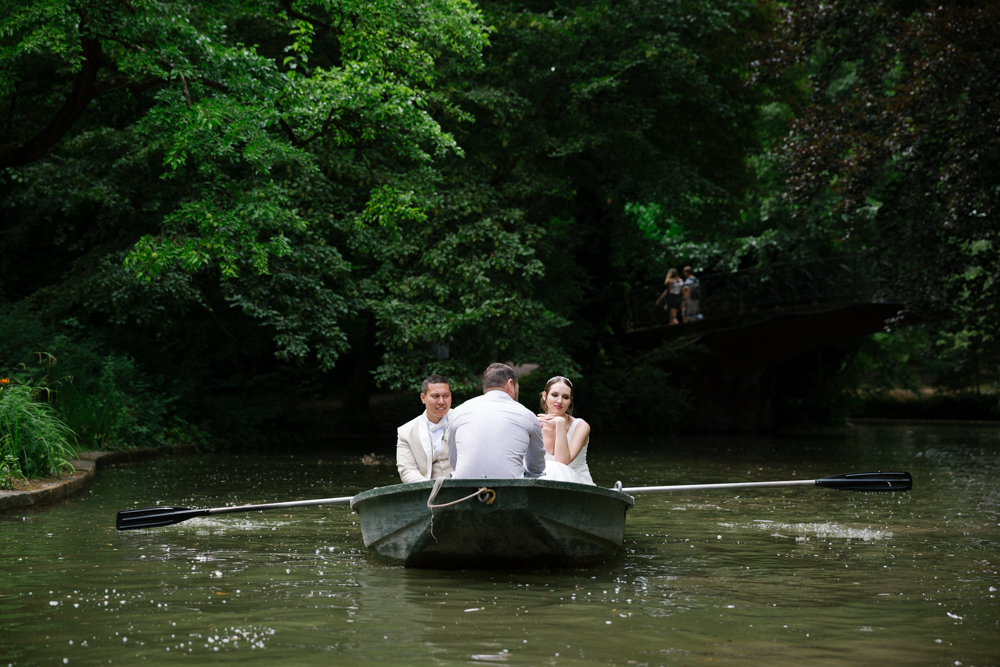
x: 881, y: 481
x: 152, y: 517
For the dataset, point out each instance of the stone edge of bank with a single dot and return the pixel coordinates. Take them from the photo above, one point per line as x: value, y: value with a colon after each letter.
x: 85, y: 467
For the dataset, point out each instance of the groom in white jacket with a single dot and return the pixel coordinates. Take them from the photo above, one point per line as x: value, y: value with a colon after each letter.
x: 422, y: 443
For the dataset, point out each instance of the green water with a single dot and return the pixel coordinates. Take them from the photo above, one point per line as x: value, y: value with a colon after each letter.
x: 784, y: 576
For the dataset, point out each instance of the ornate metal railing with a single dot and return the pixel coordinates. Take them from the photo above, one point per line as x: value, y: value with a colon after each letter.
x: 778, y: 286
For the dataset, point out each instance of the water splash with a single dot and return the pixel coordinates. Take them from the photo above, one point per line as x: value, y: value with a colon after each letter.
x: 805, y: 531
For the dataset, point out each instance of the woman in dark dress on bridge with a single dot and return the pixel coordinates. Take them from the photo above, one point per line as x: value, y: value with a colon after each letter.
x: 674, y: 292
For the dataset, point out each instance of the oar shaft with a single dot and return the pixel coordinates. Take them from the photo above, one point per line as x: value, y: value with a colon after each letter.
x: 153, y: 517
x: 878, y: 482
x: 344, y: 500
x: 639, y: 490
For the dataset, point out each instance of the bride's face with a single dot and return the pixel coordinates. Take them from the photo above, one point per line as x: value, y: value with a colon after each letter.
x: 558, y: 398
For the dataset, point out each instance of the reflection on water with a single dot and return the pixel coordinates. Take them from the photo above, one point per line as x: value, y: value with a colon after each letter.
x: 775, y: 576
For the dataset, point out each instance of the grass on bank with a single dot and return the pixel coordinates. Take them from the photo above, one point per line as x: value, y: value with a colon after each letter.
x: 34, y: 442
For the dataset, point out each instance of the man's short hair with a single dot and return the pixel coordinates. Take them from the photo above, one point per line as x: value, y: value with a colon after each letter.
x: 433, y: 378
x: 688, y: 269
x: 496, y: 375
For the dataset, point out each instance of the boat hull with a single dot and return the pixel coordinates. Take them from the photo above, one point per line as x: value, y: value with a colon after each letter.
x: 529, y: 523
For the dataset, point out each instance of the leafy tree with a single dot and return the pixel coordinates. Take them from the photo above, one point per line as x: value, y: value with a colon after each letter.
x: 229, y: 122
x: 179, y: 134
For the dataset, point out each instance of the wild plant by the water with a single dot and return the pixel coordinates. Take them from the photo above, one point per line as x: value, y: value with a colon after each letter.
x: 10, y: 471
x: 31, y: 433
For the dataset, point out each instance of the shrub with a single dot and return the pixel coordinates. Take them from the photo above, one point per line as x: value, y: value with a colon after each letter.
x: 114, y: 407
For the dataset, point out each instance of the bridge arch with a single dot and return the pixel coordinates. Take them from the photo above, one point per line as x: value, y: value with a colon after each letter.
x: 759, y: 326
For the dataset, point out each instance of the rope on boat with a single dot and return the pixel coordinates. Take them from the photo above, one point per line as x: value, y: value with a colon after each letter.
x: 484, y: 494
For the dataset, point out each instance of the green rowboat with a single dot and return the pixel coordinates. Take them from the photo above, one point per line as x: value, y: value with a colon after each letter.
x: 493, y: 523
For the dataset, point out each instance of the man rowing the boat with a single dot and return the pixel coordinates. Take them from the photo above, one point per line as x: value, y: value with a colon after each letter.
x: 421, y: 450
x: 493, y: 435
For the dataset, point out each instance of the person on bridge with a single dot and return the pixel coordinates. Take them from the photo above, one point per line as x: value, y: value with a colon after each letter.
x: 692, y: 296
x: 493, y: 435
x: 674, y: 292
x: 565, y: 437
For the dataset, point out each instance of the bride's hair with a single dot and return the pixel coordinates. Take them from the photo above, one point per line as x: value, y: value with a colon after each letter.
x: 552, y: 381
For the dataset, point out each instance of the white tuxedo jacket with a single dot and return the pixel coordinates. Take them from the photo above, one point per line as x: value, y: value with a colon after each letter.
x: 415, y: 458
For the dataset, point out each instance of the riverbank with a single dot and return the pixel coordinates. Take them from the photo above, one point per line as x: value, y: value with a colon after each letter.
x: 85, y: 467
x: 931, y: 404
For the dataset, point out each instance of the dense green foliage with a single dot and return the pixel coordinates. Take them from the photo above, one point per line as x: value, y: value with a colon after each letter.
x: 260, y: 203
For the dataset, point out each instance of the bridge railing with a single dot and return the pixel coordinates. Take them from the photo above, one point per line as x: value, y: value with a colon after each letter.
x: 778, y: 286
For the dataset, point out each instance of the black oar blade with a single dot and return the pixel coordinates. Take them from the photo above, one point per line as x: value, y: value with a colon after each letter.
x: 882, y: 481
x: 152, y: 517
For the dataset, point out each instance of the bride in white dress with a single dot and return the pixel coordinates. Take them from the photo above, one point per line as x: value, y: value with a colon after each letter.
x: 565, y: 437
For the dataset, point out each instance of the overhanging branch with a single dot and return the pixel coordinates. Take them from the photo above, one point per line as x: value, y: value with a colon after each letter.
x: 85, y: 88
x: 18, y: 153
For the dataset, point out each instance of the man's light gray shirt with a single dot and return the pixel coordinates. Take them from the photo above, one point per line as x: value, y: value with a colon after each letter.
x: 490, y: 436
